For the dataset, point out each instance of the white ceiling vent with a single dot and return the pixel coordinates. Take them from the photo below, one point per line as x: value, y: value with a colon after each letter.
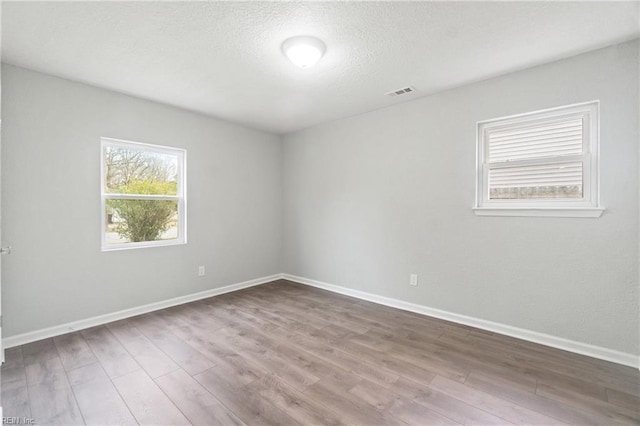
x: 402, y: 91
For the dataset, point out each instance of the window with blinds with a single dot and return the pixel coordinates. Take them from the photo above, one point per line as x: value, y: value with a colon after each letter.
x: 545, y: 160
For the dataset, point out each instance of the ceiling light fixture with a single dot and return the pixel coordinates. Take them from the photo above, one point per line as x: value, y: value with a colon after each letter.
x: 304, y: 51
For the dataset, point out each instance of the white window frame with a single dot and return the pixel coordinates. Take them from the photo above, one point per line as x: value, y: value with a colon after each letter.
x: 180, y: 197
x: 587, y: 206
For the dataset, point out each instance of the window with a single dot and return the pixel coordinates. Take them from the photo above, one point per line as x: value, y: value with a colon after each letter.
x: 143, y: 195
x: 543, y: 163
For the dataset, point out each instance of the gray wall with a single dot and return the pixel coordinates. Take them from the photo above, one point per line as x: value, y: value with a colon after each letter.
x: 51, y: 203
x: 373, y: 198
x: 367, y: 201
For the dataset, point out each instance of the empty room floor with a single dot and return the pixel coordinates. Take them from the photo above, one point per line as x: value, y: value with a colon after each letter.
x: 284, y: 353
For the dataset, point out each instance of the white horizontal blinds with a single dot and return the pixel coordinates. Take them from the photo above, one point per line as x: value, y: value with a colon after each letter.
x: 545, y: 139
x: 559, y: 180
x: 545, y: 175
x: 525, y: 159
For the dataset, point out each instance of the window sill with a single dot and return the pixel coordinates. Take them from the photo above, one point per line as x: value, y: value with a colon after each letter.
x: 145, y: 244
x: 592, y: 212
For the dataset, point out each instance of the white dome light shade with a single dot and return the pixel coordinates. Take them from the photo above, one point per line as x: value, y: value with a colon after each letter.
x: 303, y: 51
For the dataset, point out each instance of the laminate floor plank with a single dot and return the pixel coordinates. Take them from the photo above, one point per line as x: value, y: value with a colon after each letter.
x: 335, y: 397
x: 195, y: 402
x: 41, y: 350
x: 508, y: 390
x: 147, y: 402
x: 231, y: 316
x: 379, y: 397
x: 114, y: 358
x: 46, y: 371
x: 51, y: 398
x: 344, y: 361
x: 408, y: 320
x: 288, y: 354
x: 192, y: 314
x: 15, y: 402
x: 339, y: 331
x: 377, y: 326
x: 253, y: 308
x: 250, y: 407
x: 317, y: 366
x: 623, y: 399
x: 341, y: 304
x: 586, y: 403
x: 155, y: 362
x: 278, y: 341
x: 508, y: 410
x: 416, y: 414
x: 444, y: 367
x: 281, y: 310
x: 189, y: 359
x: 492, y: 353
x: 293, y: 375
x: 582, y: 387
x: 381, y: 342
x: 456, y: 409
x: 15, y: 395
x: 469, y: 358
x: 99, y: 401
x: 13, y: 357
x: 552, y: 364
x: 13, y: 376
x: 74, y: 352
x: 323, y: 313
x: 409, y: 389
x: 224, y: 356
x: 417, y: 368
x: 560, y: 373
x: 611, y: 370
x: 437, y: 408
x: 296, y: 404
x: 481, y: 362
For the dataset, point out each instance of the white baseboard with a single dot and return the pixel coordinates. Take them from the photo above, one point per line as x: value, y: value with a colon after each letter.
x: 45, y: 333
x: 532, y: 336
x: 520, y: 333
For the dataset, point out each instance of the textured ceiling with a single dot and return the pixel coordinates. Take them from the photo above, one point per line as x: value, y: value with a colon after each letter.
x: 224, y: 59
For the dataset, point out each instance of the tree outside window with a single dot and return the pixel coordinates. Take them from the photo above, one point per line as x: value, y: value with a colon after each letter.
x: 143, y: 195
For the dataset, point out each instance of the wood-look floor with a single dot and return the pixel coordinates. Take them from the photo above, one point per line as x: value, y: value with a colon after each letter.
x: 283, y: 353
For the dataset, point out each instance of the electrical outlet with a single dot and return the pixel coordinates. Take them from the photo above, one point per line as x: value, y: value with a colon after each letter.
x: 413, y: 279
x: 201, y: 271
